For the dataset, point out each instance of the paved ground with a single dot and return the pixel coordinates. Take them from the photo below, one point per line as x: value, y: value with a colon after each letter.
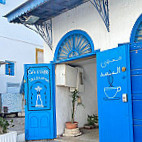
x: 87, y: 136
x: 19, y: 124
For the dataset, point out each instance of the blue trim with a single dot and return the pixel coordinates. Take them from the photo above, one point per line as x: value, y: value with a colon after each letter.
x: 24, y: 8
x: 3, y: 1
x: 134, y: 30
x: 54, y: 101
x: 136, y: 46
x: 43, y: 9
x: 75, y: 57
x: 10, y: 66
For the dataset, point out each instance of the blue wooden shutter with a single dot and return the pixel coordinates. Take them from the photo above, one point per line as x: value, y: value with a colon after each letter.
x: 11, y: 66
x: 12, y: 69
x: 2, y: 1
x: 6, y: 69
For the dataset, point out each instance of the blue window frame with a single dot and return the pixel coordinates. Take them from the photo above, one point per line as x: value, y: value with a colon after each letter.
x: 136, y: 34
x: 9, y: 68
x: 2, y: 1
x: 76, y: 43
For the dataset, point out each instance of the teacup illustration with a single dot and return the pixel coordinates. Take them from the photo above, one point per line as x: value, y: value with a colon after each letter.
x: 111, y: 92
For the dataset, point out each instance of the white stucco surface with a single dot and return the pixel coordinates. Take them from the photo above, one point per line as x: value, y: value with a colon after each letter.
x: 17, y: 44
x: 123, y: 15
x: 89, y: 96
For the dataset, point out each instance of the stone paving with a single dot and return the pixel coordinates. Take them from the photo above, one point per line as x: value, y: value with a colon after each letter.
x: 87, y: 136
x: 19, y: 124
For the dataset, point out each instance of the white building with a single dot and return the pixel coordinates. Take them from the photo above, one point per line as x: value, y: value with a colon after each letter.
x: 18, y: 46
x: 86, y: 19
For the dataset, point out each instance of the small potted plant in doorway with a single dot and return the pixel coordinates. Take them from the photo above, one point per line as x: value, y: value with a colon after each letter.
x: 92, y: 122
x: 72, y: 126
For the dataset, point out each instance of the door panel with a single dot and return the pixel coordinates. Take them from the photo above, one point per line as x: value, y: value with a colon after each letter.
x: 136, y: 82
x: 40, y: 102
x: 113, y: 84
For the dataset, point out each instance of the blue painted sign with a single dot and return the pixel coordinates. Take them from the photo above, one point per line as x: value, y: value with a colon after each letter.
x: 40, y: 102
x: 114, y: 95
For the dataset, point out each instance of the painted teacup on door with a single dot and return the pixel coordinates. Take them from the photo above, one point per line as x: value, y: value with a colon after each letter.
x: 111, y: 92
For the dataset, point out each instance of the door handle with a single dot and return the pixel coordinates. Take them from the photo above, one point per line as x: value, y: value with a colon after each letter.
x: 124, y: 98
x: 123, y: 69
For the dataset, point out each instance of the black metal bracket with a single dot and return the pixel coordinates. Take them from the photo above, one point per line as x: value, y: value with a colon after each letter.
x: 44, y: 29
x: 103, y: 9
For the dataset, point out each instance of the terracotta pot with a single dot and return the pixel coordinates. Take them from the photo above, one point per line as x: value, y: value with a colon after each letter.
x: 70, y: 125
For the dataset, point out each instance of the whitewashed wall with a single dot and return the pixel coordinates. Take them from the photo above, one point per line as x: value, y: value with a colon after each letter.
x: 17, y: 43
x: 123, y: 15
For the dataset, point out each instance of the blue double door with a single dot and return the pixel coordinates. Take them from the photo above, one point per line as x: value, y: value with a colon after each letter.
x: 136, y: 81
x: 114, y: 95
x: 40, y: 120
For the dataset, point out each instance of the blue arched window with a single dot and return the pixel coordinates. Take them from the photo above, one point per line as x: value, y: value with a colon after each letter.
x: 73, y: 44
x: 136, y: 35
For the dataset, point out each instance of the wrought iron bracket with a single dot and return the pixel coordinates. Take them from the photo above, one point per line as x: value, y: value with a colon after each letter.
x: 44, y: 30
x: 103, y: 9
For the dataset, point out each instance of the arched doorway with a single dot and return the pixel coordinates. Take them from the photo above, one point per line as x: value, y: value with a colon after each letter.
x: 76, y: 51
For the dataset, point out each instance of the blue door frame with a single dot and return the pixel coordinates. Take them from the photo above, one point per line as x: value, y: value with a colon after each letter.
x: 114, y: 85
x: 40, y: 108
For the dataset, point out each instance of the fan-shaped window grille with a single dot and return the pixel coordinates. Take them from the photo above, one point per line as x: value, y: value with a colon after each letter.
x: 138, y: 36
x: 73, y: 44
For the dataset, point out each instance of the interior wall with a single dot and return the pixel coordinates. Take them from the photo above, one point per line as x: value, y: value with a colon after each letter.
x: 89, y: 98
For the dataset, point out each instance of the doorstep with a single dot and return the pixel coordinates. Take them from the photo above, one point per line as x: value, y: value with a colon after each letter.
x: 8, y: 137
x: 21, y: 137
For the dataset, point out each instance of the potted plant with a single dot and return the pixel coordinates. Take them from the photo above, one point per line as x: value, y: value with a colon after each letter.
x: 4, y: 134
x: 92, y: 121
x: 76, y: 100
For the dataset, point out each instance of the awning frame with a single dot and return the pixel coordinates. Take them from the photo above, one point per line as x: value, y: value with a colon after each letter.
x: 103, y: 10
x: 44, y: 27
x: 44, y: 30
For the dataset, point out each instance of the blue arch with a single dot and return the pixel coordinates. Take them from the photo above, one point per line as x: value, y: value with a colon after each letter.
x: 135, y: 28
x: 65, y: 37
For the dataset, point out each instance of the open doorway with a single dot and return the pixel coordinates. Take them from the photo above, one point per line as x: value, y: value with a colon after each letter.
x: 87, y: 92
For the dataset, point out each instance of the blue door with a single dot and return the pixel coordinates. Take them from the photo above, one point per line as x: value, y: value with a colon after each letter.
x: 40, y: 121
x: 114, y: 95
x: 136, y: 81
